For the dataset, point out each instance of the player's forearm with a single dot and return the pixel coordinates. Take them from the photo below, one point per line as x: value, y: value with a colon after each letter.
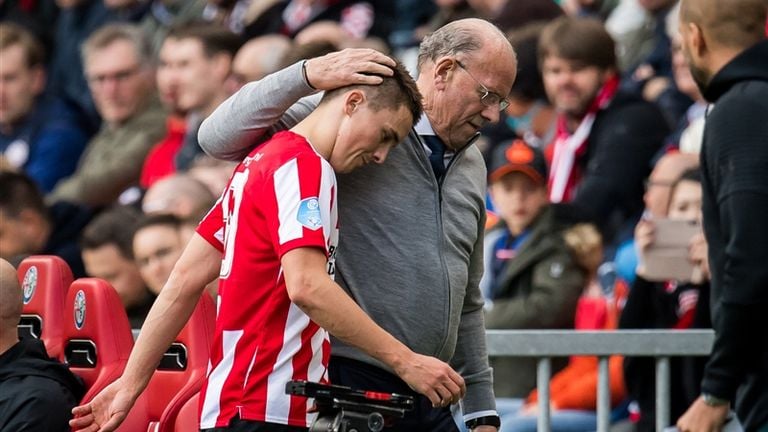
x: 331, y: 308
x: 197, y: 266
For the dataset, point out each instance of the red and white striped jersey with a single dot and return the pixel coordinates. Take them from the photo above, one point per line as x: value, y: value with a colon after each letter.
x: 281, y: 197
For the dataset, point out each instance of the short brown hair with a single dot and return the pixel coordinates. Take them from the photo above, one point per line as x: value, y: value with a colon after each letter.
x: 13, y: 34
x: 18, y: 192
x: 731, y: 23
x: 394, y: 91
x: 112, y: 226
x: 582, y: 40
x: 111, y: 33
x: 214, y: 39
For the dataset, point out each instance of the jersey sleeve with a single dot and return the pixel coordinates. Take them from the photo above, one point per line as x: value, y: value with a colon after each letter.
x: 211, y: 228
x: 304, y: 213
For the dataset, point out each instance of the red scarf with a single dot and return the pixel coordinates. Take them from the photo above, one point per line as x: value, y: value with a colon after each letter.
x: 565, y: 174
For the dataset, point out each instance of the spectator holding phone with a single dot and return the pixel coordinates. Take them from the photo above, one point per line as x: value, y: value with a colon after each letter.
x: 668, y: 304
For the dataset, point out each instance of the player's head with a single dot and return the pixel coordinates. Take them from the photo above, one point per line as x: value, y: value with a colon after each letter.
x: 375, y: 119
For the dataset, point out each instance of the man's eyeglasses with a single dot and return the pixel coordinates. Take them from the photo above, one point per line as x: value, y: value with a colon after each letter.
x: 119, y: 76
x: 487, y: 97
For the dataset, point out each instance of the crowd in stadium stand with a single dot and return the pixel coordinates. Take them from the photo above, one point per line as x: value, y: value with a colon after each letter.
x: 596, y: 147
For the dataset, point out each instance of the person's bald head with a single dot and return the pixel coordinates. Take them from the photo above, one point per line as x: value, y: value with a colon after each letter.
x: 728, y: 23
x: 259, y: 57
x: 471, y: 36
x: 716, y: 31
x: 180, y: 195
x: 10, y: 298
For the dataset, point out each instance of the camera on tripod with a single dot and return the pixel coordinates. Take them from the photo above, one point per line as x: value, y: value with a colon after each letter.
x: 343, y: 409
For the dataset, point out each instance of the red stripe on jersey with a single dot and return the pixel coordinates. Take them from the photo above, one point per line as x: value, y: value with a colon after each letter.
x: 281, y: 197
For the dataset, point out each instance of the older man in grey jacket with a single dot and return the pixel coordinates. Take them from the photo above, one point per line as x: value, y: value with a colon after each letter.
x: 411, y: 248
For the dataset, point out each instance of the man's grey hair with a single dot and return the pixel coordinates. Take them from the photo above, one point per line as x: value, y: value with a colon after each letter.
x: 112, y: 33
x: 462, y: 36
x: 450, y: 39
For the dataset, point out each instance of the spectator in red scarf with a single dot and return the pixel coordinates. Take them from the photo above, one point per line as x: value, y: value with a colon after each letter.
x: 605, y: 139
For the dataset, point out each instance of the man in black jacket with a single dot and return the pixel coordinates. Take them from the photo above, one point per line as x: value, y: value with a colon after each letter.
x: 36, y: 392
x: 724, y: 41
x: 605, y: 138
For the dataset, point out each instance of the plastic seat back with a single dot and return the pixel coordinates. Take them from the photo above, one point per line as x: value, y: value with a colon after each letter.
x: 98, y: 341
x: 45, y: 280
x: 182, y: 370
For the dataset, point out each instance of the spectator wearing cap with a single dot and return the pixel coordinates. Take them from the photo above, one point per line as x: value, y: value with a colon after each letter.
x: 531, y: 279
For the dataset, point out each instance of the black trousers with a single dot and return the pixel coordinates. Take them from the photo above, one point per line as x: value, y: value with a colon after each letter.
x: 362, y: 376
x: 238, y: 425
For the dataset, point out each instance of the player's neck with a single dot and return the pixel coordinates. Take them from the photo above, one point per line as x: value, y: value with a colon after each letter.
x: 319, y: 130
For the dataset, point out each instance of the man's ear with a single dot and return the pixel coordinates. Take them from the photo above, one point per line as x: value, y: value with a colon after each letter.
x: 38, y: 80
x: 444, y: 68
x: 698, y: 42
x: 352, y: 101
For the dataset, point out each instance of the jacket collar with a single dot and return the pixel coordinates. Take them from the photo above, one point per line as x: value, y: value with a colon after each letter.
x: 751, y: 64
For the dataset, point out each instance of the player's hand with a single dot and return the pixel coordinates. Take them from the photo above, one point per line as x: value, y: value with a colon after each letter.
x: 105, y: 412
x: 433, y: 378
x: 347, y: 67
x: 701, y: 417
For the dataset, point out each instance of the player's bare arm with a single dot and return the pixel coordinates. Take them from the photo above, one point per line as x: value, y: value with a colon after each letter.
x: 198, y: 266
x: 326, y: 303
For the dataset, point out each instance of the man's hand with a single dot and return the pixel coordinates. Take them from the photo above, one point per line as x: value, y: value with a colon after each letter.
x: 347, y: 67
x: 701, y: 417
x: 698, y: 255
x: 433, y: 378
x: 105, y: 412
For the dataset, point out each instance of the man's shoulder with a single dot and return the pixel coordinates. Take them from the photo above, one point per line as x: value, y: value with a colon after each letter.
x: 281, y: 152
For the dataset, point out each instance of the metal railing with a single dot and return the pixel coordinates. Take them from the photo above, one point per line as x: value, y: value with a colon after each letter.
x: 545, y: 344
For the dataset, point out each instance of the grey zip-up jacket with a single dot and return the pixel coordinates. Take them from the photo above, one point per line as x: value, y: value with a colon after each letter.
x: 410, y: 250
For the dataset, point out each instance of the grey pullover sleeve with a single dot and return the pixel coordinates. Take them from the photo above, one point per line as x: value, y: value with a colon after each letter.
x: 471, y: 356
x: 255, y: 112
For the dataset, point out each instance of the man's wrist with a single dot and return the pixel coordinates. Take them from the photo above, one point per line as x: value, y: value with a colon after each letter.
x: 491, y: 420
x: 713, y: 400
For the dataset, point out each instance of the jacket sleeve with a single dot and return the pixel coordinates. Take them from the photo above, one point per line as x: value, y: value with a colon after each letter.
x: 471, y: 356
x: 255, y: 112
x: 55, y: 156
x: 99, y: 181
x: 40, y: 408
x: 551, y: 303
x: 744, y: 297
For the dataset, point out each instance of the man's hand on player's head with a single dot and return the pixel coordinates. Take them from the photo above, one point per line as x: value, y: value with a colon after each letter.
x: 348, y: 67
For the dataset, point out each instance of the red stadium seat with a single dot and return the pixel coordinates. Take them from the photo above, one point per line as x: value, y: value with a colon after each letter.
x: 98, y: 341
x: 180, y: 374
x: 188, y: 419
x: 44, y: 280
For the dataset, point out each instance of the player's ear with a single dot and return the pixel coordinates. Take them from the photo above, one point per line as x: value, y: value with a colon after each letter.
x: 352, y: 101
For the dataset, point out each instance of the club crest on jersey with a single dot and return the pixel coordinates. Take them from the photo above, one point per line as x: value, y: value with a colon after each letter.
x: 309, y: 213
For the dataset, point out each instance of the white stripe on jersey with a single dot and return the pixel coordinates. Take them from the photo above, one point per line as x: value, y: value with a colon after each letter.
x: 327, y: 190
x: 316, y: 371
x: 288, y: 193
x: 278, y: 403
x: 211, y: 408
